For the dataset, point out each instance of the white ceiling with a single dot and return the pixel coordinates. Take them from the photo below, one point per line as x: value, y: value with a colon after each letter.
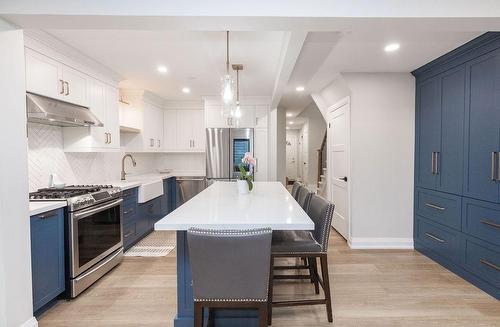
x: 326, y: 54
x: 194, y: 59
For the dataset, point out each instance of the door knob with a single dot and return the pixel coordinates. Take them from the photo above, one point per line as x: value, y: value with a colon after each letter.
x: 343, y: 178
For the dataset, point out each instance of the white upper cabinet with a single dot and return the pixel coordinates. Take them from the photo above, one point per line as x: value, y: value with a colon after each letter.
x: 48, y: 77
x: 152, y: 129
x: 103, y: 102
x: 184, y: 130
x: 76, y: 86
x: 43, y: 75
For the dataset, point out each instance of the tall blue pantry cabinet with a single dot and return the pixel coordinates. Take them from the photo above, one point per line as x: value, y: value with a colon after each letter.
x: 457, y: 161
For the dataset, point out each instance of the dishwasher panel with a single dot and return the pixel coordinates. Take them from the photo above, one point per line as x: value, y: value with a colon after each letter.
x: 188, y: 187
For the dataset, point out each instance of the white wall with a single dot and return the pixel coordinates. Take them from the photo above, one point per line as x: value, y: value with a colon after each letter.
x: 272, y: 147
x: 281, y: 145
x: 382, y: 155
x: 15, y: 264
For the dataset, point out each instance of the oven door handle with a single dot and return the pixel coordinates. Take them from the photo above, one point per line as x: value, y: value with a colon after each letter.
x: 86, y: 213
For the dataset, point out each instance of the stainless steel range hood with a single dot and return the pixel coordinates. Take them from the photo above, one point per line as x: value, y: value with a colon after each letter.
x: 44, y: 110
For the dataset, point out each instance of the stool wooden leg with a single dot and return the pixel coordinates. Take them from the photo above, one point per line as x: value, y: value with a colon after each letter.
x: 270, y: 293
x: 313, y: 261
x: 326, y: 288
x: 198, y: 314
x: 263, y: 315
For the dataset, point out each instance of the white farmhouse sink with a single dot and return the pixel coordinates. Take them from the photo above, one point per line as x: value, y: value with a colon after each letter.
x: 150, y: 190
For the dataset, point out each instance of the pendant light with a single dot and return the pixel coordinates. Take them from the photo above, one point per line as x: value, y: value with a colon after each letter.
x: 237, y: 111
x: 227, y: 92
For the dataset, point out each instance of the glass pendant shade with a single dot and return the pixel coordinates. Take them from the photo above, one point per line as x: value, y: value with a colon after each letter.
x: 227, y: 90
x: 237, y: 112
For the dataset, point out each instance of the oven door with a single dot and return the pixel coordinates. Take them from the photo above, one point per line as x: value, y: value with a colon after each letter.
x: 95, y: 233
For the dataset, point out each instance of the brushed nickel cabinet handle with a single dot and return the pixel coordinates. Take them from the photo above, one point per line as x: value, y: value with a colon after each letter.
x: 193, y: 144
x: 67, y: 88
x: 493, y: 160
x: 62, y: 87
x: 433, y: 170
x: 159, y: 143
x: 435, y: 238
x: 436, y: 165
x: 106, y: 138
x: 498, y: 165
x: 128, y: 234
x: 128, y: 211
x: 433, y: 206
x: 110, y: 138
x: 489, y: 223
x: 489, y: 264
x: 48, y: 215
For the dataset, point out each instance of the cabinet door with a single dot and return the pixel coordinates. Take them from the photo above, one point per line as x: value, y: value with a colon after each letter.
x: 43, y: 75
x: 184, y: 130
x: 112, y: 119
x: 428, y: 130
x: 261, y: 114
x: 215, y: 118
x: 148, y: 129
x: 76, y: 89
x: 198, y: 130
x: 47, y: 257
x: 170, y: 130
x: 260, y: 152
x: 97, y: 104
x: 483, y: 130
x: 450, y: 159
x: 247, y: 118
x: 159, y: 129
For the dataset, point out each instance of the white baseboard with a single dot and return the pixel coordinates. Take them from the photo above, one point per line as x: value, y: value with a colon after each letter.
x: 380, y: 243
x: 32, y: 322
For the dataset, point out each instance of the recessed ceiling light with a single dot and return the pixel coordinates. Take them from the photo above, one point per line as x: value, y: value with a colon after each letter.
x: 186, y: 90
x: 162, y: 69
x: 289, y: 114
x: 290, y: 122
x: 299, y: 88
x: 391, y: 47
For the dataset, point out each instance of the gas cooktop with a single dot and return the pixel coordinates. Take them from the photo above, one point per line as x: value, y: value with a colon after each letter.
x: 77, y: 196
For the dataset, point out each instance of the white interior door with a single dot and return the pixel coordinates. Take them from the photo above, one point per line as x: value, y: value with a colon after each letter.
x: 291, y: 156
x: 338, y: 164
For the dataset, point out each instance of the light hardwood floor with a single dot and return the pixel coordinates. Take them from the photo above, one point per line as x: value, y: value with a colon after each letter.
x: 370, y: 288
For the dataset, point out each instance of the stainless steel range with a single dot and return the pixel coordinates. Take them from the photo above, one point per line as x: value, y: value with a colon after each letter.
x: 94, y: 231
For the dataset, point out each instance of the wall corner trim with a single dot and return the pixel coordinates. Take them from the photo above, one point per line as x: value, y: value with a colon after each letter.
x: 32, y: 322
x: 358, y: 243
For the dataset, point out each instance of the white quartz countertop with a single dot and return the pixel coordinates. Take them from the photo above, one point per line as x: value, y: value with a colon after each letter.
x: 220, y: 206
x: 37, y: 208
x: 137, y: 180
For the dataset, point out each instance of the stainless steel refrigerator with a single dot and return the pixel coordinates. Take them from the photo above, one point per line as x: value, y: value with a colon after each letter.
x: 225, y: 149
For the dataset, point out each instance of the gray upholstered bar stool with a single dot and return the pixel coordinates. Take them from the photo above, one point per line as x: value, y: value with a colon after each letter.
x: 230, y: 270
x: 304, y: 197
x: 306, y: 244
x: 295, y: 189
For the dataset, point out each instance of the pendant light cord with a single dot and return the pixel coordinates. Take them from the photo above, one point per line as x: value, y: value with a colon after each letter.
x: 227, y: 52
x: 237, y: 86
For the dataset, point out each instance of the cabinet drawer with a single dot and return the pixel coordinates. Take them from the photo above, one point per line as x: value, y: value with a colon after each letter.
x: 442, y: 240
x: 482, y: 220
x: 483, y: 259
x: 131, y: 193
x: 445, y: 209
x: 129, y: 234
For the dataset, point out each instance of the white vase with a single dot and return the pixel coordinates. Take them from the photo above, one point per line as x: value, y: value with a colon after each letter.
x: 242, y: 186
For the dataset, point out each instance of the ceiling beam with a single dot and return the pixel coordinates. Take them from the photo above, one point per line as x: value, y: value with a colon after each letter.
x: 289, y: 55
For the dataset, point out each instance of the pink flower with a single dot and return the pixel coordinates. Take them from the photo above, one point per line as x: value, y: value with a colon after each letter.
x: 248, y: 159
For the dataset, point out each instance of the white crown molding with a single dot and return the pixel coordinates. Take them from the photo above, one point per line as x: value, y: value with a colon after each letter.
x: 49, y: 45
x: 358, y: 243
x: 32, y: 322
x: 142, y: 95
x: 179, y: 104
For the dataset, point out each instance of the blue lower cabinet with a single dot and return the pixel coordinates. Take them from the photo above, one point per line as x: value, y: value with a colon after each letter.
x: 482, y: 220
x: 168, y: 201
x: 441, y: 240
x: 149, y: 213
x: 483, y: 259
x: 47, y: 257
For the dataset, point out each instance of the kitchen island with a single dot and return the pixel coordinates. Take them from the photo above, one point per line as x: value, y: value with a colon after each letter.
x: 221, y: 207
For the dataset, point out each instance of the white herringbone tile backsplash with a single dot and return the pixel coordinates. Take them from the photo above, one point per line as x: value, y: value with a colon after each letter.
x: 46, y: 156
